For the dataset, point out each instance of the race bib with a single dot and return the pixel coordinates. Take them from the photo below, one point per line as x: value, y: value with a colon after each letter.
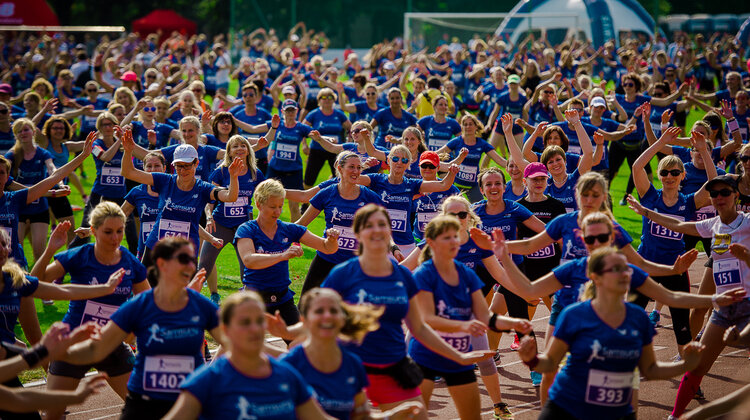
x: 146, y: 228
x: 286, y: 151
x: 97, y: 312
x: 660, y: 231
x: 398, y: 220
x: 459, y: 341
x: 424, y: 218
x: 467, y: 173
x: 169, y: 228
x: 705, y: 213
x: 111, y: 175
x: 346, y: 240
x: 610, y: 389
x: 435, y: 144
x: 237, y: 208
x: 333, y: 138
x: 546, y: 252
x: 166, y: 373
x: 726, y: 272
x: 574, y: 148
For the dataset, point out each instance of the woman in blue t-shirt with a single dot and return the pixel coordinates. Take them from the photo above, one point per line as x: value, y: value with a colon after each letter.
x: 244, y: 383
x: 658, y: 243
x: 451, y: 300
x: 597, y: 380
x: 266, y: 244
x: 225, y: 218
x: 168, y: 322
x: 325, y: 363
x: 329, y: 122
x: 29, y: 165
x: 91, y: 264
x: 182, y: 196
x: 439, y: 128
x: 392, y: 120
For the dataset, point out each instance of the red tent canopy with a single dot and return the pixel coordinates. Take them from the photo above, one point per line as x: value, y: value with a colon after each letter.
x: 27, y: 12
x: 165, y: 21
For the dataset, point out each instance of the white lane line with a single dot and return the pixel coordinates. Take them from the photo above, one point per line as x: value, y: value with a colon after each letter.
x: 94, y: 409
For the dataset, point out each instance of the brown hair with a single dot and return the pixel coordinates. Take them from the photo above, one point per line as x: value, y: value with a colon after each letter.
x: 57, y: 119
x: 436, y: 227
x: 360, y: 319
x: 164, y: 249
x: 363, y: 215
x: 221, y: 116
x: 236, y: 299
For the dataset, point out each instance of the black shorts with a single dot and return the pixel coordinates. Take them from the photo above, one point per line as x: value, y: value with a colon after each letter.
x: 451, y: 378
x: 119, y: 362
x: 138, y: 407
x: 60, y: 207
x: 41, y: 217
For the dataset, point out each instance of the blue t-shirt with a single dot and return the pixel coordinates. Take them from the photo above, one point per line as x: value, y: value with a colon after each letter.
x: 147, y: 209
x: 180, y: 210
x: 10, y: 304
x: 59, y: 159
x: 571, y: 161
x: 207, y: 159
x: 437, y: 135
x: 608, y: 125
x: 507, y: 105
x: 572, y: 275
x: 659, y: 244
x: 363, y: 112
x: 109, y: 181
x: 451, y: 302
x: 509, y: 195
x: 386, y: 344
x: 634, y: 138
x: 508, y: 220
x: 339, y: 214
x: 566, y: 227
x: 286, y: 156
x: 11, y: 203
x: 468, y: 172
x: 328, y: 125
x: 336, y: 398
x: 226, y: 393
x: 234, y: 214
x: 276, y: 277
x: 596, y: 381
x: 83, y: 267
x: 397, y: 198
x: 363, y: 156
x: 88, y: 124
x: 140, y: 135
x: 31, y: 172
x: 261, y: 116
x: 7, y: 140
x: 426, y: 206
x: 169, y: 343
x: 566, y: 193
x: 390, y: 125
x: 574, y: 145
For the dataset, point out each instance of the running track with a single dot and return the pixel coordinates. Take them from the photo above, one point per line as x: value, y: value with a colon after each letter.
x: 656, y: 397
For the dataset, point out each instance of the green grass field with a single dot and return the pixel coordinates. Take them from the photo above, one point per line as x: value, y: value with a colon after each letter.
x: 228, y: 266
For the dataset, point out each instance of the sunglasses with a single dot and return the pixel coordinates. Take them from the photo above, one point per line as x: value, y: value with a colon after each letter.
x: 743, y: 158
x: 673, y: 172
x: 357, y: 130
x: 602, y: 238
x: 403, y: 159
x: 326, y: 97
x: 659, y: 93
x: 427, y: 166
x: 149, y: 108
x: 617, y: 269
x: 724, y: 192
x: 150, y: 76
x: 461, y: 214
x: 91, y: 90
x: 185, y: 258
x: 248, y: 95
x: 5, y: 111
x: 183, y: 166
x: 549, y: 92
x: 370, y: 93
x: 628, y: 84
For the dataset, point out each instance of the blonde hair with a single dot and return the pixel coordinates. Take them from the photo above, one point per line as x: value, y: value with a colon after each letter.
x: 327, y: 91
x: 400, y: 148
x: 359, y: 320
x: 16, y: 273
x: 252, y: 167
x: 480, y: 126
x: 341, y: 159
x: 267, y: 189
x: 474, y: 220
x: 128, y: 92
x: 436, y: 227
x: 17, y: 148
x: 103, y: 211
x: 364, y: 124
x: 671, y: 161
x: 190, y: 120
x: 234, y: 300
x: 45, y: 83
x: 587, y: 182
x: 595, y: 265
x: 106, y: 115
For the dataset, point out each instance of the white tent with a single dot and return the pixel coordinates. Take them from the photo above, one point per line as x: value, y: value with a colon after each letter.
x: 597, y: 20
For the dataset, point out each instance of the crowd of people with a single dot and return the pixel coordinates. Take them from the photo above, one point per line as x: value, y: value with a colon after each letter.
x: 468, y: 185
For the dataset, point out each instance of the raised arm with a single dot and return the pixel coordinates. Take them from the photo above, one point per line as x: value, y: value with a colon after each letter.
x: 230, y: 195
x: 507, y: 122
x: 640, y: 177
x: 587, y: 150
x: 128, y: 170
x: 41, y: 188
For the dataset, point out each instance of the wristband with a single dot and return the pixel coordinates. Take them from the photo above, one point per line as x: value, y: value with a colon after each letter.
x: 97, y: 69
x: 715, y: 301
x: 394, y: 248
x: 532, y: 363
x: 733, y: 125
x: 34, y: 355
x: 492, y: 322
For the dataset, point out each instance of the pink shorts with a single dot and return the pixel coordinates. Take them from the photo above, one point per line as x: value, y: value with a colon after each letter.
x: 384, y: 390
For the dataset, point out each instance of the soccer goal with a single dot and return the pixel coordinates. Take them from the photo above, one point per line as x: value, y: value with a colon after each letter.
x: 433, y: 29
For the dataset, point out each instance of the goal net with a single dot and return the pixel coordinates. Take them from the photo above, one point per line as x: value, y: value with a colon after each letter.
x: 434, y: 29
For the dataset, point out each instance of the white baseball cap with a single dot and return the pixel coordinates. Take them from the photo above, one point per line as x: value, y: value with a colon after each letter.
x: 598, y: 101
x: 185, y: 153
x: 288, y: 90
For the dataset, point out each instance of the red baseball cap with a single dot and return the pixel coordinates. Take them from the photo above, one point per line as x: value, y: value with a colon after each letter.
x: 129, y: 76
x: 431, y: 157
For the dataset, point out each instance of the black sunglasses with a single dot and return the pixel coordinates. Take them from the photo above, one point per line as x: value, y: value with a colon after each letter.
x: 673, y: 172
x: 602, y: 238
x: 724, y: 192
x: 628, y: 84
x: 427, y: 166
x: 3, y: 111
x: 743, y: 158
x: 461, y: 214
x: 617, y: 269
x: 403, y: 159
x: 184, y: 258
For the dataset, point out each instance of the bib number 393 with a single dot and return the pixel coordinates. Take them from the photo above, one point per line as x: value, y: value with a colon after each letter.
x: 610, y: 389
x: 166, y: 373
